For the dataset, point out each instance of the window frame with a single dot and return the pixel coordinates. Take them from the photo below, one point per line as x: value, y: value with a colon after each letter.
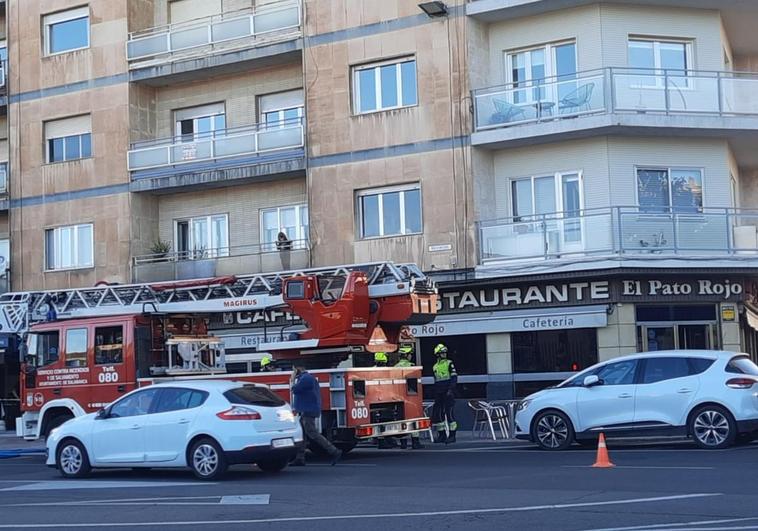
x: 558, y: 178
x: 550, y: 64
x: 66, y: 15
x: 218, y: 252
x: 658, y: 71
x: 302, y: 235
x: 67, y: 361
x: 48, y: 148
x: 75, y: 251
x: 380, y: 192
x: 376, y: 66
x: 671, y: 209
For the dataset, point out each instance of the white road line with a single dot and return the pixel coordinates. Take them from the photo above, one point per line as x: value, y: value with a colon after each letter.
x: 653, y: 527
x: 648, y: 467
x: 90, y: 484
x: 112, y: 501
x: 217, y: 523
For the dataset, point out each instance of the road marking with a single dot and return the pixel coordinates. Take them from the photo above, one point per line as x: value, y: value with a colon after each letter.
x: 649, y: 467
x: 341, y: 464
x: 71, y: 484
x: 653, y: 527
x: 216, y: 523
x: 241, y: 499
x: 252, y: 499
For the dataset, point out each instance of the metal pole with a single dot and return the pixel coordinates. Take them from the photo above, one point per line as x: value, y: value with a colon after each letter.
x: 666, y: 90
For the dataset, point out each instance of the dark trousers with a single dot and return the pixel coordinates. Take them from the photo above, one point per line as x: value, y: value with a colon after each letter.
x: 312, y: 434
x: 444, y: 407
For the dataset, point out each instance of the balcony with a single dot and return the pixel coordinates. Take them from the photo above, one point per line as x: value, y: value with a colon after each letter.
x: 239, y: 260
x: 226, y: 43
x: 255, y: 153
x: 617, y: 101
x: 726, y: 237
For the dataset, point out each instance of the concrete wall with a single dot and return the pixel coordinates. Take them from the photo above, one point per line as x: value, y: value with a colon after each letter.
x: 442, y: 112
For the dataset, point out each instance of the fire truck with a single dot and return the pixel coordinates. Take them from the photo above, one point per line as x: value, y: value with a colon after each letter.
x: 81, y: 349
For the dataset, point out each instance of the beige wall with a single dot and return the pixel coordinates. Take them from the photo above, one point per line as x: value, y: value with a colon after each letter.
x: 243, y: 205
x: 110, y: 215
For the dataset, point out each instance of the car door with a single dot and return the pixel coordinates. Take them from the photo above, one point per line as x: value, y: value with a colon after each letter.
x: 610, y: 403
x: 667, y: 387
x: 169, y: 423
x: 119, y: 436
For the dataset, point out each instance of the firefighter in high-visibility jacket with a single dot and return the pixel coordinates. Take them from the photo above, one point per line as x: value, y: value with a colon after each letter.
x: 445, y: 379
x: 405, y: 354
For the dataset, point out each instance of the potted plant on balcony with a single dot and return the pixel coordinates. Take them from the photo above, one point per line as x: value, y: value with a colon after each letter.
x: 160, y: 249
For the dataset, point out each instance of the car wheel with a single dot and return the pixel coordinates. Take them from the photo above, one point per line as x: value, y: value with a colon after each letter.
x: 72, y: 460
x: 206, y: 459
x: 552, y: 430
x: 712, y: 427
x: 272, y: 465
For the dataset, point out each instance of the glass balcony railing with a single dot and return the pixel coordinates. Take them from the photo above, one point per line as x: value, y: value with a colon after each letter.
x: 617, y: 90
x: 264, y: 23
x: 199, y: 147
x: 235, y: 260
x: 613, y: 231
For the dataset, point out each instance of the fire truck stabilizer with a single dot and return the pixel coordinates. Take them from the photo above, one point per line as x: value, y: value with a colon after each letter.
x: 145, y: 332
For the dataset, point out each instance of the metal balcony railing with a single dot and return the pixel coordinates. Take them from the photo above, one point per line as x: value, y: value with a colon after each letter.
x: 276, y: 21
x: 234, y: 260
x: 620, y: 230
x: 199, y: 147
x: 617, y: 90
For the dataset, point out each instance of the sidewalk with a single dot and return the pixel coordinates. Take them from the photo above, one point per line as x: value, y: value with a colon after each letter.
x: 9, y: 441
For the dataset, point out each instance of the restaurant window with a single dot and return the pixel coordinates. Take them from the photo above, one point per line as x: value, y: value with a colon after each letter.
x: 554, y: 350
x: 685, y: 327
x: 468, y: 353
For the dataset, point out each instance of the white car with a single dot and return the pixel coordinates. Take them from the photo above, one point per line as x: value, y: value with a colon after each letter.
x: 203, y: 425
x: 710, y: 396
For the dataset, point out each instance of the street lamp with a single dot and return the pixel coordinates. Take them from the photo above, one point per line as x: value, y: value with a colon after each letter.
x: 434, y: 9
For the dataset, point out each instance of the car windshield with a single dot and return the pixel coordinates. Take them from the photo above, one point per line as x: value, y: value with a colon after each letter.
x: 742, y: 365
x: 251, y: 395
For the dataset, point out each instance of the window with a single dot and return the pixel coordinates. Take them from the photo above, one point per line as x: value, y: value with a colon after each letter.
x: 42, y: 347
x: 742, y: 365
x: 196, y: 123
x: 291, y: 220
x: 699, y: 365
x: 554, y: 350
x: 202, y: 237
x: 282, y: 109
x: 3, y: 177
x: 66, y: 31
x: 654, y: 58
x: 549, y: 194
x: 109, y: 345
x: 390, y: 211
x: 68, y: 139
x: 620, y: 373
x: 136, y: 404
x: 383, y: 86
x: 670, y: 189
x: 469, y: 354
x: 173, y: 399
x: 529, y: 68
x: 251, y: 395
x: 660, y: 369
x: 69, y: 247
x: 76, y: 347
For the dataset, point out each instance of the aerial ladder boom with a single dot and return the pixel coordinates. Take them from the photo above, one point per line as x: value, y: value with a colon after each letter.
x: 20, y: 310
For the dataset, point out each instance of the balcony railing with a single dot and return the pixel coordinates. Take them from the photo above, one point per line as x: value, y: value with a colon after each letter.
x: 186, y: 149
x: 266, y: 23
x: 613, y: 231
x: 235, y: 260
x: 617, y: 90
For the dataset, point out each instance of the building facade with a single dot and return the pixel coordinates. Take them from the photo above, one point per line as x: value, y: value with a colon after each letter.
x: 578, y: 176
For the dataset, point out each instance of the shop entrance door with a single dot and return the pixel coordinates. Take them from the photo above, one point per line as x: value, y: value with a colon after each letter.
x: 667, y: 336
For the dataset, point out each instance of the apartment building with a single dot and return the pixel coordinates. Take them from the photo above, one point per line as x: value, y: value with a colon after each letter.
x: 578, y: 175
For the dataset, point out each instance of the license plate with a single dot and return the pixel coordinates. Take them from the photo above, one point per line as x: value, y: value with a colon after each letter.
x: 282, y: 443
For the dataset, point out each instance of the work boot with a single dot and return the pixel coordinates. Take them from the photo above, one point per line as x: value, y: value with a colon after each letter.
x: 416, y: 444
x: 441, y: 437
x: 336, y: 458
x: 451, y: 438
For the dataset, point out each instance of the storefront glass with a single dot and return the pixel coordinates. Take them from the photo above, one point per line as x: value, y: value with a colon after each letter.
x: 554, y: 350
x: 687, y: 327
x: 469, y: 353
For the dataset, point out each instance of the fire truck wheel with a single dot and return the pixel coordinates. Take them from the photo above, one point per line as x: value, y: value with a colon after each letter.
x: 272, y: 465
x: 56, y: 422
x: 72, y: 459
x: 207, y: 460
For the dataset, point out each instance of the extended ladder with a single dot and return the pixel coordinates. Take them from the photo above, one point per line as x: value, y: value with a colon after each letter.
x: 233, y: 293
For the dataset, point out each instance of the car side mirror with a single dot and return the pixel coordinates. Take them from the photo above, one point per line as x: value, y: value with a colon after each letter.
x: 592, y: 380
x: 102, y: 414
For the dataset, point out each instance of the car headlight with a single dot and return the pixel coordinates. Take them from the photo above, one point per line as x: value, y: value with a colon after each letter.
x: 523, y: 405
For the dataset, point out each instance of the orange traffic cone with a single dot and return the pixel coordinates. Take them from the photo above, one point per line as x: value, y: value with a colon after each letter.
x: 602, y: 461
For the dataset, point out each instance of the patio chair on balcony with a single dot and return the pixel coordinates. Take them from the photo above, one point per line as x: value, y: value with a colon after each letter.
x: 506, y: 112
x: 577, y: 100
